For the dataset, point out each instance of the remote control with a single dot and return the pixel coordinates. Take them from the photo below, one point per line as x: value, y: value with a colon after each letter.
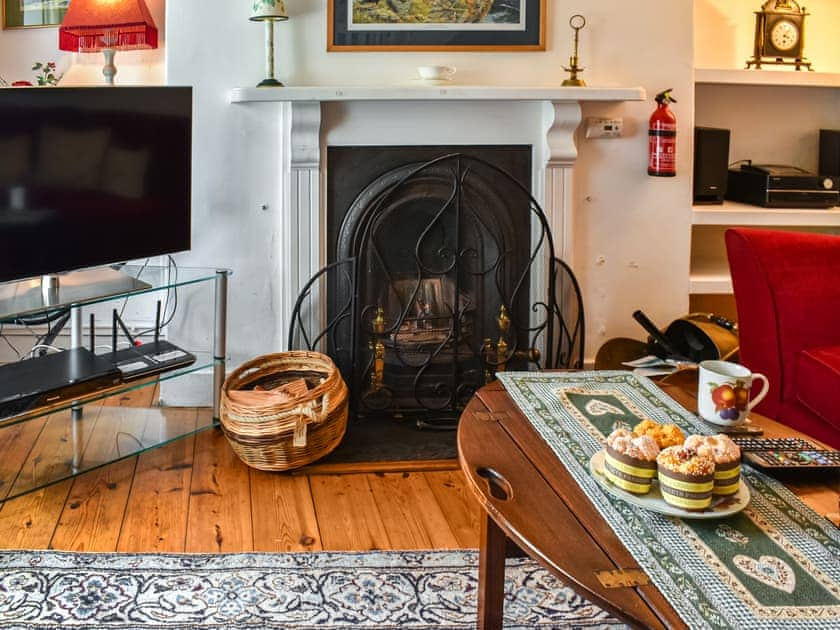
x: 773, y: 444
x: 812, y: 459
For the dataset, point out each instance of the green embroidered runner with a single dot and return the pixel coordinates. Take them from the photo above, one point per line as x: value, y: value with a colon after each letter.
x: 774, y: 565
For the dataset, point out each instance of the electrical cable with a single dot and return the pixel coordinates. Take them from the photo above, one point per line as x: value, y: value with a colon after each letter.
x: 174, y: 291
x: 42, y: 346
x: 8, y: 343
x: 136, y: 277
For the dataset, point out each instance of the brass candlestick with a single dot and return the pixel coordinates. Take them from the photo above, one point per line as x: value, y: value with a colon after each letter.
x: 577, y: 22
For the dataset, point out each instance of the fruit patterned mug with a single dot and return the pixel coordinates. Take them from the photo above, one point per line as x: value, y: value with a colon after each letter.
x: 723, y: 392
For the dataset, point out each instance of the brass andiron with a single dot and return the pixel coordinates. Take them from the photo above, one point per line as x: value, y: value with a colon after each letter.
x: 502, y: 345
x: 489, y: 354
x: 496, y: 356
x: 377, y: 377
x: 577, y: 22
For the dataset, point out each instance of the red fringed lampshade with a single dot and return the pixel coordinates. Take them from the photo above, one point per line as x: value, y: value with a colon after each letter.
x: 91, y: 25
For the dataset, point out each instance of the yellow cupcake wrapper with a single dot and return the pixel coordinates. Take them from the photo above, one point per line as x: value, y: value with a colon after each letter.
x: 686, y: 486
x: 696, y: 504
x: 727, y: 474
x: 646, y: 473
x: 726, y: 490
x: 635, y: 488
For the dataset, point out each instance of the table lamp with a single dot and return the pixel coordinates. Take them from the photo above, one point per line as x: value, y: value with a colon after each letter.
x: 107, y: 25
x: 269, y: 11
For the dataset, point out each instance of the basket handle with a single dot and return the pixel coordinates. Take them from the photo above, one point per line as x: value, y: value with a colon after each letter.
x: 308, y: 411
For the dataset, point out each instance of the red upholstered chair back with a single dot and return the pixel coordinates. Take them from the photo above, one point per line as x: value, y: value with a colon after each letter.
x: 787, y: 292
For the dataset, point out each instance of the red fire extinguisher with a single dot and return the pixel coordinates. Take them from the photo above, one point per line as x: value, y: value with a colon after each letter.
x: 663, y: 138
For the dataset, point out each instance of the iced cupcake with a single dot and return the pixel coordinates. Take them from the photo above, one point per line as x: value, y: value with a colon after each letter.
x: 630, y: 461
x: 686, y: 478
x: 727, y: 458
x: 665, y: 434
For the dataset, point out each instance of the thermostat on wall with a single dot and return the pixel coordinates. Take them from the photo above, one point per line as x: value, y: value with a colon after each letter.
x: 604, y: 127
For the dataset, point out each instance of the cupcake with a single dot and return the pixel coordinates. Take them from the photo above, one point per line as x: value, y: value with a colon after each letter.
x: 686, y: 478
x: 630, y: 462
x: 665, y: 434
x: 727, y: 458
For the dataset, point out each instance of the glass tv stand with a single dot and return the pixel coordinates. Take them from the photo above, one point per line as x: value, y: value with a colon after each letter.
x: 48, y: 444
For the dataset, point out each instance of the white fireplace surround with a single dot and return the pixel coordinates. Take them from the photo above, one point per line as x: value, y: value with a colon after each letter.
x: 314, y: 118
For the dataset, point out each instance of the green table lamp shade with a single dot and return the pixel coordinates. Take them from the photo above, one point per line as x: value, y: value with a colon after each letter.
x: 269, y: 10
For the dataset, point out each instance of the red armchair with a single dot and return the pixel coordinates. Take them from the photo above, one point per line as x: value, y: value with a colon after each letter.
x: 787, y: 291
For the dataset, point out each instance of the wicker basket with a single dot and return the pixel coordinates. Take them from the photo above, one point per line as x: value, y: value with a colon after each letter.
x: 281, y: 436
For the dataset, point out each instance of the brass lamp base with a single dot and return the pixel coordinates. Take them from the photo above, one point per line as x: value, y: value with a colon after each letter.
x: 574, y: 82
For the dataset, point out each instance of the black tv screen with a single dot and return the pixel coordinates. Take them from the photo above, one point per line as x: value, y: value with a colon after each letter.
x: 92, y: 176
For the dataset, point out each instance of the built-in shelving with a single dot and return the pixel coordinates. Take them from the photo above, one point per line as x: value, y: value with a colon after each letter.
x: 710, y: 276
x: 774, y: 78
x: 734, y: 213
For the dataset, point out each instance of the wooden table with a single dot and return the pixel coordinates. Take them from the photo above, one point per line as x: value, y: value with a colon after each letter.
x: 534, y: 503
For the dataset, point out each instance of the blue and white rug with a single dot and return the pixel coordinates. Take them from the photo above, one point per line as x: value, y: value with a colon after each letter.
x: 302, y: 591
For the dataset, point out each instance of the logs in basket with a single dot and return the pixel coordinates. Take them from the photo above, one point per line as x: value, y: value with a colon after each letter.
x: 284, y: 435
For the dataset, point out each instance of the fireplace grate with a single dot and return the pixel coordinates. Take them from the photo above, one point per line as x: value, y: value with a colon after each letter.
x: 445, y: 275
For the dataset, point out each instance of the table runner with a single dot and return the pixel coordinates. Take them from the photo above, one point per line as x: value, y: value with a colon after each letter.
x: 774, y: 565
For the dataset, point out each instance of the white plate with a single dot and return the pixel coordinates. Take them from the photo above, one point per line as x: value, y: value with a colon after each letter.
x: 720, y: 508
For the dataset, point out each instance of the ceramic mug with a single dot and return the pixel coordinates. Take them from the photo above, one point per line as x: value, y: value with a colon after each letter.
x: 723, y: 392
x: 436, y: 73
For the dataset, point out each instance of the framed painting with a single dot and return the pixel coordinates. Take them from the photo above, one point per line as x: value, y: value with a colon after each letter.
x: 453, y: 25
x: 33, y: 13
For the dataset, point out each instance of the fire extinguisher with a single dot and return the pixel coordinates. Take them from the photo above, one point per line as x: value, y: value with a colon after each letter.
x: 663, y: 138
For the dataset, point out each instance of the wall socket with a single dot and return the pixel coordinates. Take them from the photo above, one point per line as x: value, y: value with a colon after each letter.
x: 604, y: 127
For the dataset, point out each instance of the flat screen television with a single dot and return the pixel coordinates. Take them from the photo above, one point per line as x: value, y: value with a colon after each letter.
x: 92, y: 176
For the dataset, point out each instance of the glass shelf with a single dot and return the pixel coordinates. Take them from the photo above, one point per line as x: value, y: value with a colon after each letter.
x: 58, y: 446
x: 94, y: 286
x: 48, y: 444
x: 203, y: 361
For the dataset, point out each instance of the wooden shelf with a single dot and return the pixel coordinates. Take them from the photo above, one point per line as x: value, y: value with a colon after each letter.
x: 711, y: 284
x: 789, y: 78
x: 710, y: 275
x: 734, y: 213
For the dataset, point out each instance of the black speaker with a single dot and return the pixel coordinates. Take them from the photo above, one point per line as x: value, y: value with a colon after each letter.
x: 830, y: 152
x: 711, y: 164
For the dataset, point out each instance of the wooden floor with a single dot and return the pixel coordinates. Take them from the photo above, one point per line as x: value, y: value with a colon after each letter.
x: 194, y: 495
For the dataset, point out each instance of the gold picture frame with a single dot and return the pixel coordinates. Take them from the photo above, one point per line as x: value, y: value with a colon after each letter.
x: 526, y: 34
x: 32, y: 13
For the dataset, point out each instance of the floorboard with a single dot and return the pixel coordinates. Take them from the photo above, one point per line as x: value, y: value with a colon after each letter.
x: 219, y: 500
x: 156, y: 515
x: 348, y: 516
x: 194, y: 495
x: 283, y: 513
x: 94, y: 510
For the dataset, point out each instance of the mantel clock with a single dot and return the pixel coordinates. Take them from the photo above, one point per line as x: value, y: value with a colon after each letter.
x: 780, y: 35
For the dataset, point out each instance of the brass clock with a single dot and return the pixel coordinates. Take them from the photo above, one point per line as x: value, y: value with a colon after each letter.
x: 780, y: 35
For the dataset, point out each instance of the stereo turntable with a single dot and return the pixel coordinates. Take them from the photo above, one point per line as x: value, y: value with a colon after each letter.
x: 781, y: 186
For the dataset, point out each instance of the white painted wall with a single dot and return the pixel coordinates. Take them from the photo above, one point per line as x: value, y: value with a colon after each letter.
x: 19, y: 48
x: 639, y: 225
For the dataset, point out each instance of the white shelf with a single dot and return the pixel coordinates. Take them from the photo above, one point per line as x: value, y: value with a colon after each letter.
x: 415, y: 92
x: 791, y: 78
x: 710, y: 276
x: 734, y: 213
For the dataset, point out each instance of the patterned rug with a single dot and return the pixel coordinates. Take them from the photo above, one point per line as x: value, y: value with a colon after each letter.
x: 413, y: 590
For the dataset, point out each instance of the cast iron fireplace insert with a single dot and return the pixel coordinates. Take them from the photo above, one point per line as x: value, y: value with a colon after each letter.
x: 441, y: 273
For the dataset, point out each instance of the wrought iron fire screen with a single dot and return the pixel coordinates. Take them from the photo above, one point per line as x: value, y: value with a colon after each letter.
x: 435, y: 290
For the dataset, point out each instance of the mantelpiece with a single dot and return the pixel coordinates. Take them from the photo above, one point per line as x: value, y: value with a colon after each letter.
x: 314, y: 117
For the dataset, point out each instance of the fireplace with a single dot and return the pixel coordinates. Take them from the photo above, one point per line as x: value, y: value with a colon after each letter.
x: 440, y: 272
